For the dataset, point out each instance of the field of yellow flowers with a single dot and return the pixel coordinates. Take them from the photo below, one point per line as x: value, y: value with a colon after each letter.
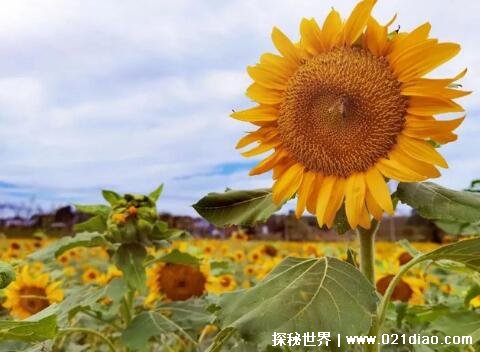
x: 225, y: 265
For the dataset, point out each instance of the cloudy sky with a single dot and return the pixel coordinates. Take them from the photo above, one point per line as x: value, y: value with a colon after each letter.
x: 128, y: 94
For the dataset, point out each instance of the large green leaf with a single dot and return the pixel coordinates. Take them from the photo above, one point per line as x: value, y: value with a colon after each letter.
x: 459, y: 324
x: 130, y: 259
x: 149, y: 324
x: 235, y: 207
x: 301, y: 295
x: 466, y: 252
x: 456, y: 211
x: 85, y: 239
x: 7, y: 274
x: 30, y: 331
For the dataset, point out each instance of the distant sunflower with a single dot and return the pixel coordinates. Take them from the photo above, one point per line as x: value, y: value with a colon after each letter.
x: 346, y: 108
x: 30, y: 293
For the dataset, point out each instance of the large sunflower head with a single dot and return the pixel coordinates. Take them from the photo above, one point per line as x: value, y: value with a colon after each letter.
x: 30, y: 293
x: 346, y: 108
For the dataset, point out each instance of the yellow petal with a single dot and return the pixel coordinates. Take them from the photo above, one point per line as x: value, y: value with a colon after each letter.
x: 378, y: 188
x: 376, y: 37
x: 263, y: 95
x: 420, y: 150
x: 423, y: 60
x: 288, y: 183
x: 438, y: 130
x: 336, y: 200
x: 427, y: 106
x: 268, y: 163
x: 251, y: 137
x: 357, y: 21
x: 286, y: 47
x: 402, y: 42
x: 420, y: 167
x: 304, y: 192
x: 373, y: 207
x: 323, y: 198
x: 259, y: 113
x: 268, y: 77
x: 278, y: 64
x: 312, y: 197
x: 354, y: 198
x: 311, y: 36
x: 263, y: 147
x: 281, y: 167
x: 396, y: 171
x: 331, y: 30
x: 364, y: 219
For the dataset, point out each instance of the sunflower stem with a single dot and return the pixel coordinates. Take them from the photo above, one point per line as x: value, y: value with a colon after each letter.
x: 367, y: 250
x: 367, y: 267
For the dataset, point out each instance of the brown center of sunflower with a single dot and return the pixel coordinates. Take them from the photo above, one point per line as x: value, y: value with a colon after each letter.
x: 180, y: 282
x: 341, y: 112
x: 33, y: 299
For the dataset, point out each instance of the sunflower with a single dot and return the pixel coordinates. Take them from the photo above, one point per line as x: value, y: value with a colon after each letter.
x: 176, y: 282
x: 221, y: 284
x: 347, y: 108
x: 30, y: 293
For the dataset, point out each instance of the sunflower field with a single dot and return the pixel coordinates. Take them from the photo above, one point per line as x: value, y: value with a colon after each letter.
x: 350, y: 122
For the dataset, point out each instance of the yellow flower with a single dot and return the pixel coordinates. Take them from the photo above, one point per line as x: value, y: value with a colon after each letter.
x: 346, y: 107
x: 91, y: 275
x: 30, y: 293
x: 222, y: 283
x: 239, y: 256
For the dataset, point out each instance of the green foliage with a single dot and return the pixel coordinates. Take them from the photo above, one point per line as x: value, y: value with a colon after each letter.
x: 235, y: 207
x: 466, y: 252
x: 59, y: 247
x: 7, y: 274
x: 130, y: 259
x: 183, y: 319
x: 30, y: 331
x: 177, y: 257
x: 300, y: 295
x: 457, y: 212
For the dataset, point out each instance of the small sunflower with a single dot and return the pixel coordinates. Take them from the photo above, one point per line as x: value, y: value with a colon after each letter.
x: 30, y: 293
x: 346, y: 108
x: 175, y: 281
x: 221, y: 284
x: 91, y: 275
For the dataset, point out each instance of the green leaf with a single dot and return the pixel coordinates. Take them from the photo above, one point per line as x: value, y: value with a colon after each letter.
x: 237, y: 207
x: 455, y: 210
x: 97, y: 223
x: 111, y: 196
x: 340, y: 224
x: 85, y: 239
x: 177, y: 257
x: 218, y: 267
x: 7, y: 274
x: 465, y: 323
x: 301, y: 295
x: 457, y: 228
x: 156, y: 193
x: 130, y: 258
x: 30, y: 331
x: 97, y: 209
x: 147, y: 325
x: 81, y: 298
x: 466, y: 252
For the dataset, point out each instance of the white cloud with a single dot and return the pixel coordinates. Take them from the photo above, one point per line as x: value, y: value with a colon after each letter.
x: 127, y: 94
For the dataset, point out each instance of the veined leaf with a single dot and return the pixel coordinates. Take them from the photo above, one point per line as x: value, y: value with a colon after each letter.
x: 30, y: 331
x: 235, y: 207
x: 466, y: 252
x: 85, y: 239
x: 111, y: 196
x: 7, y: 274
x: 459, y: 324
x: 300, y: 295
x: 456, y: 211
